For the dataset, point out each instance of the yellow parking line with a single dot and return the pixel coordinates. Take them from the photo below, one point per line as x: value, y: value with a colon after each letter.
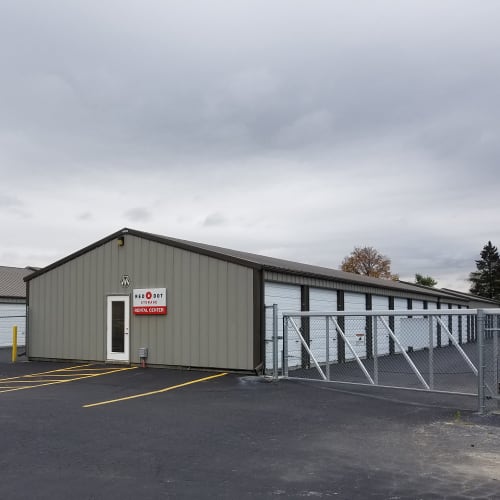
x: 42, y: 373
x: 33, y: 381
x: 69, y: 380
x: 166, y: 389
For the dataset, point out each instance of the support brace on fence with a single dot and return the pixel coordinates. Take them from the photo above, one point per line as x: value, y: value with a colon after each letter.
x: 306, y: 347
x: 457, y: 345
x: 346, y: 340
x: 408, y: 359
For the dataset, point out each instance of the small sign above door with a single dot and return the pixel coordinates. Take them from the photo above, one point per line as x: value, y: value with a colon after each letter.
x: 149, y: 301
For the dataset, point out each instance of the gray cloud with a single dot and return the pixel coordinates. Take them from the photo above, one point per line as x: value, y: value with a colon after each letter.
x: 85, y: 216
x: 138, y: 214
x: 319, y: 126
x: 214, y: 219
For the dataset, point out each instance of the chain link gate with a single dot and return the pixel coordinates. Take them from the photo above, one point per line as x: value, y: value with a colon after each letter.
x: 452, y: 351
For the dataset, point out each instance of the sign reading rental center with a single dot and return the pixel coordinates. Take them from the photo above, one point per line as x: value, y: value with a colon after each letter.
x: 150, y: 301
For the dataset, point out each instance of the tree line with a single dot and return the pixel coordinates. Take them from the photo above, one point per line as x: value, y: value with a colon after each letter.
x: 485, y: 281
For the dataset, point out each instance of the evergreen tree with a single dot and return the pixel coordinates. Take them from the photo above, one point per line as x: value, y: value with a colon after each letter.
x: 420, y: 279
x: 486, y: 280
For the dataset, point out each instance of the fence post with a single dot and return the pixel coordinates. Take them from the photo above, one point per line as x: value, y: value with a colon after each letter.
x: 275, y: 342
x: 285, y: 346
x: 431, y: 354
x: 14, y: 344
x: 375, y: 349
x: 327, y: 354
x: 496, y: 333
x: 480, y: 346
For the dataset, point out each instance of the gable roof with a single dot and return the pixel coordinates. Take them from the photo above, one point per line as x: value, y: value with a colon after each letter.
x: 260, y: 262
x: 11, y: 281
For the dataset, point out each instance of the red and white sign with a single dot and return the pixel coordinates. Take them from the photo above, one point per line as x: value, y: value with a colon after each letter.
x: 149, y: 301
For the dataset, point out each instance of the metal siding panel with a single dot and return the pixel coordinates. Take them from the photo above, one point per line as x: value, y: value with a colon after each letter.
x: 66, y: 307
x: 246, y: 315
x: 204, y: 315
x: 51, y: 314
x: 222, y: 354
x: 168, y: 341
x: 186, y: 311
x: 195, y: 307
x: 174, y: 356
x: 89, y: 341
x: 163, y: 327
x: 71, y: 292
x: 212, y: 312
x: 97, y: 346
x: 232, y: 329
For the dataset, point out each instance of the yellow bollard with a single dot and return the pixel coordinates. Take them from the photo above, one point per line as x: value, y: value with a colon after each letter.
x: 14, y: 344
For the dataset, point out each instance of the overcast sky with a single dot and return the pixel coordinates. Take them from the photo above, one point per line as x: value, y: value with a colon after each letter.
x: 296, y: 129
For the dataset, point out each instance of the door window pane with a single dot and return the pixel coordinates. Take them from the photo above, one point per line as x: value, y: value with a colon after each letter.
x: 118, y: 326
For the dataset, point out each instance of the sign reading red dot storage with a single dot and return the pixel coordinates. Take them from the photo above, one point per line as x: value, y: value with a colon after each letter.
x: 149, y: 301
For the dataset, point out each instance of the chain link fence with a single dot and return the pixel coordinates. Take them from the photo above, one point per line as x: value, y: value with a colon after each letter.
x: 455, y: 351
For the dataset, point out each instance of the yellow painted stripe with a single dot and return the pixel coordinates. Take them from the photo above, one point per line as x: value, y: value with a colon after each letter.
x: 33, y: 381
x: 166, y: 389
x: 75, y: 374
x: 70, y: 379
x: 41, y: 373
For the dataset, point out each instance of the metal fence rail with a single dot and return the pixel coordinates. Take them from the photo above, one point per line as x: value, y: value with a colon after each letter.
x: 455, y: 350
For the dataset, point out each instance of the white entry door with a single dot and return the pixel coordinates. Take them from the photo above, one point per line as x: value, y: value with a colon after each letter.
x: 118, y: 319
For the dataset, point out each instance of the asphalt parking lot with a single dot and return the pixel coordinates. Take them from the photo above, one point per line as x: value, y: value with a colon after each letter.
x: 161, y: 433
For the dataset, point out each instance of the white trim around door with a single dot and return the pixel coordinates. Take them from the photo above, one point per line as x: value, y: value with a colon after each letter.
x: 118, y: 328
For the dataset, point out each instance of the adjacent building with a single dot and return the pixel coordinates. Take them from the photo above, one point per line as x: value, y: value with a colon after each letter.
x: 13, y: 303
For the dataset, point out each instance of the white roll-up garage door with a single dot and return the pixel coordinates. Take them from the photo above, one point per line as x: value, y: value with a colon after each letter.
x: 432, y: 306
x: 288, y: 298
x: 445, y: 339
x: 400, y: 330
x: 380, y: 303
x: 454, y: 324
x: 12, y: 315
x: 355, y: 326
x: 321, y: 300
x: 416, y: 328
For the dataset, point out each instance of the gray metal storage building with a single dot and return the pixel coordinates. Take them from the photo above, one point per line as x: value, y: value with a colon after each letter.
x: 189, y: 304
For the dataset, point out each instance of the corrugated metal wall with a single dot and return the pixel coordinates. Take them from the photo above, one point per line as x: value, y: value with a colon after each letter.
x: 210, y: 320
